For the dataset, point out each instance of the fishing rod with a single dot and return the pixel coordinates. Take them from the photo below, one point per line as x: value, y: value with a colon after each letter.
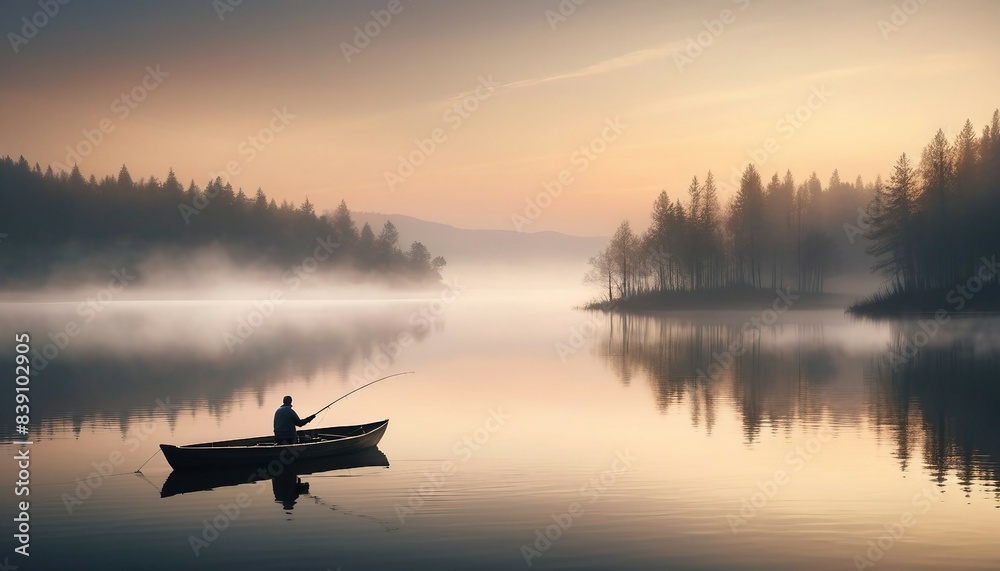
x: 359, y: 388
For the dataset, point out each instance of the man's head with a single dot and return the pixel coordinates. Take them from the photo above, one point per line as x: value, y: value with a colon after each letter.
x: 287, y: 400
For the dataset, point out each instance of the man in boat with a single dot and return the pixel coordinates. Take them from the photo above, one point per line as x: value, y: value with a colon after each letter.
x: 285, y: 421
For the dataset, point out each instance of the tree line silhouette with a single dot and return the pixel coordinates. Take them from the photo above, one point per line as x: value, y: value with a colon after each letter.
x: 928, y: 227
x: 64, y: 222
x: 935, y: 225
x: 774, y: 235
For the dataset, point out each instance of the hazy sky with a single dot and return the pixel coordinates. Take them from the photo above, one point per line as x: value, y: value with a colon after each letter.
x: 558, y: 83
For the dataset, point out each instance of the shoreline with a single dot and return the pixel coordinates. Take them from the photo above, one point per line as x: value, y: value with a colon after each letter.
x: 934, y: 302
x: 740, y: 299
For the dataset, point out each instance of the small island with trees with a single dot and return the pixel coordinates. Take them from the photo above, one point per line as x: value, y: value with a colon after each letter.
x: 932, y: 231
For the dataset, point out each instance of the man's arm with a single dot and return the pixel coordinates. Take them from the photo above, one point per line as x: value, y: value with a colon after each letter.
x: 303, y: 421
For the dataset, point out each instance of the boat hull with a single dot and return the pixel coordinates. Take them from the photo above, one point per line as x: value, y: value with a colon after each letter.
x: 261, y: 451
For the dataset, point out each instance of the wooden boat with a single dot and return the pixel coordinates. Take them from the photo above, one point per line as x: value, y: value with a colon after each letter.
x: 261, y: 450
x: 188, y: 481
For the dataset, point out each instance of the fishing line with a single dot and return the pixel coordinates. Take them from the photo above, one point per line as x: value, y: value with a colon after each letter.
x: 139, y: 471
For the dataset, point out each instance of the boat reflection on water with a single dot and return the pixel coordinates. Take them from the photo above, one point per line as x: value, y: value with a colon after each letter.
x: 286, y: 480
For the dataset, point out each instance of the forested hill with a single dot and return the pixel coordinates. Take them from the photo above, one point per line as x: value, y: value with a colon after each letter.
x: 78, y: 229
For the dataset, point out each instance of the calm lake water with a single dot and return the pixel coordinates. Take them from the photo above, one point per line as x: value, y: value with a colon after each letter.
x: 531, y: 433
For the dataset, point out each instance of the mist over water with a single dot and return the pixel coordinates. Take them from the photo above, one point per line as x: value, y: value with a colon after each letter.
x: 704, y: 408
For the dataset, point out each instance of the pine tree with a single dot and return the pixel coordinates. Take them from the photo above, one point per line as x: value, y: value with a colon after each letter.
x: 260, y: 201
x: 749, y: 207
x: 366, y: 242
x: 342, y: 222
x: 892, y: 230
x: 307, y: 209
x: 76, y: 178
x: 172, y: 186
x: 124, y: 178
x: 659, y: 228
x: 386, y: 248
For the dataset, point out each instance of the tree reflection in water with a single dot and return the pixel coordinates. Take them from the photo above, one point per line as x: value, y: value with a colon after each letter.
x: 944, y: 398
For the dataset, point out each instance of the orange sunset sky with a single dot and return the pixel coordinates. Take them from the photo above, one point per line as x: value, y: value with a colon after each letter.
x: 881, y: 77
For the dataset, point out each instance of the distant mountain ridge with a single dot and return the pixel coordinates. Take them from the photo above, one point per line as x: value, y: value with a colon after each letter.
x: 460, y: 244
